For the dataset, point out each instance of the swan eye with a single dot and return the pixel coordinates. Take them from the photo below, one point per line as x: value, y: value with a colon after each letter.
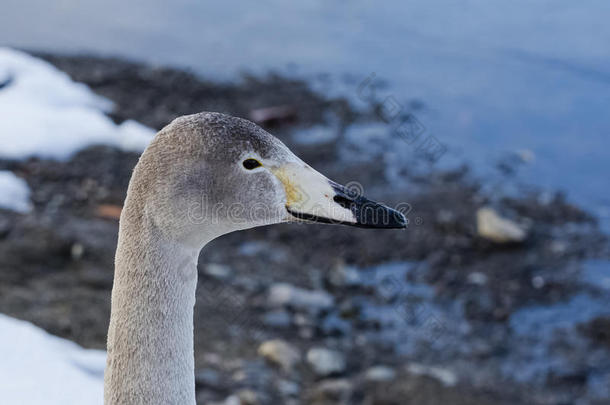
x: 251, y: 164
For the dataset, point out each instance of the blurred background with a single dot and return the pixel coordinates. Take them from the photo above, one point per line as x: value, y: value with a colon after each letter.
x: 485, y: 122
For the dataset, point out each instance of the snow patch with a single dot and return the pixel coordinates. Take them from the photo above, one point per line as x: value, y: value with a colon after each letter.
x: 39, y: 368
x: 14, y: 193
x: 44, y: 113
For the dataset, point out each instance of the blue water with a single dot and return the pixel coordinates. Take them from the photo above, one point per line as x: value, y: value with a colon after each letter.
x: 494, y: 77
x: 596, y: 273
x: 537, y: 343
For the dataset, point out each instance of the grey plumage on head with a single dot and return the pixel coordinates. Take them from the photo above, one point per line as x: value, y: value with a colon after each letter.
x: 223, y: 137
x: 196, y: 161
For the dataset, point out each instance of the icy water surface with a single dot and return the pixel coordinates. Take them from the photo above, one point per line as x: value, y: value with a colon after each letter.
x: 539, y: 343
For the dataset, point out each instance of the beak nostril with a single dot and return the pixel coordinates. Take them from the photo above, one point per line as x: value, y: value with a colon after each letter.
x: 343, y: 201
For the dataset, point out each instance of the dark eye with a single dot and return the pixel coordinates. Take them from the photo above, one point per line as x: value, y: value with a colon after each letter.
x: 251, y: 164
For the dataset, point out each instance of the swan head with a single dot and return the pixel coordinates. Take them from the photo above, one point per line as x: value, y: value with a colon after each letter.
x: 208, y: 174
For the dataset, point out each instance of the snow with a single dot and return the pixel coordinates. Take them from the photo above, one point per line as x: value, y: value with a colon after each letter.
x: 44, y: 113
x: 14, y: 193
x: 39, y: 368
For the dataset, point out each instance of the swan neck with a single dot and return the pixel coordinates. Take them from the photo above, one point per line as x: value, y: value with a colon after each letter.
x: 150, y: 337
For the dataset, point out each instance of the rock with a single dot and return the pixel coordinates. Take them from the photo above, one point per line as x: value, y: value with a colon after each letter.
x: 215, y: 270
x: 477, y: 278
x: 283, y: 294
x: 497, y: 229
x: 379, y: 374
x: 212, y: 359
x: 342, y: 275
x: 77, y: 251
x: 232, y: 400
x: 445, y: 376
x: 288, y: 388
x: 248, y: 397
x: 331, y: 391
x: 325, y: 362
x: 280, y: 353
x: 277, y: 319
x: 538, y: 282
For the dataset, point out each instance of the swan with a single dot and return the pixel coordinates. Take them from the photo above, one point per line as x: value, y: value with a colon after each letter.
x: 202, y: 176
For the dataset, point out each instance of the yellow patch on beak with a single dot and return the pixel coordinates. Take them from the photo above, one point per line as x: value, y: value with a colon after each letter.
x: 310, y: 193
x: 312, y: 197
x: 294, y: 194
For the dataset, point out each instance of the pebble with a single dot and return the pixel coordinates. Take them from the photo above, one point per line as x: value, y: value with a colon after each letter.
x: 77, y: 251
x: 379, y: 374
x: 280, y: 353
x: 288, y: 388
x: 325, y: 362
x: 335, y: 390
x: 215, y: 270
x: 477, y: 278
x: 538, y: 282
x: 277, y: 319
x: 248, y: 397
x: 342, y: 275
x: 445, y: 376
x: 283, y: 294
x: 493, y: 227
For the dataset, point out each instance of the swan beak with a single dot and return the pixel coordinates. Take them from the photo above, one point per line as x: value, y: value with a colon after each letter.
x: 311, y: 197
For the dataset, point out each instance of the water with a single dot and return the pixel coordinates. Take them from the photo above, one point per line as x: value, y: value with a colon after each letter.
x: 539, y: 342
x: 547, y: 343
x: 494, y: 76
x: 596, y: 273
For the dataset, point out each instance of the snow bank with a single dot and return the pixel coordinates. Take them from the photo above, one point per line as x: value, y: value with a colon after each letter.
x: 38, y: 368
x: 44, y: 113
x: 14, y: 193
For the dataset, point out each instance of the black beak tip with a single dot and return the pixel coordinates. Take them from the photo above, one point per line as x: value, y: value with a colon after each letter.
x: 368, y: 214
x: 400, y: 220
x: 374, y: 215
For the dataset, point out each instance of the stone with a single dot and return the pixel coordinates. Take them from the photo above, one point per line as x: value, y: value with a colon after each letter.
x: 477, y: 278
x: 445, y: 376
x: 331, y: 391
x: 277, y: 319
x: 288, y: 388
x: 342, y: 275
x: 379, y: 374
x: 283, y: 294
x: 280, y: 353
x: 325, y: 362
x: 248, y: 397
x: 493, y: 227
x: 219, y: 271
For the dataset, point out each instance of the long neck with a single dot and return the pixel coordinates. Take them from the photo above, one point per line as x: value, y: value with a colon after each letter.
x: 150, y: 339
